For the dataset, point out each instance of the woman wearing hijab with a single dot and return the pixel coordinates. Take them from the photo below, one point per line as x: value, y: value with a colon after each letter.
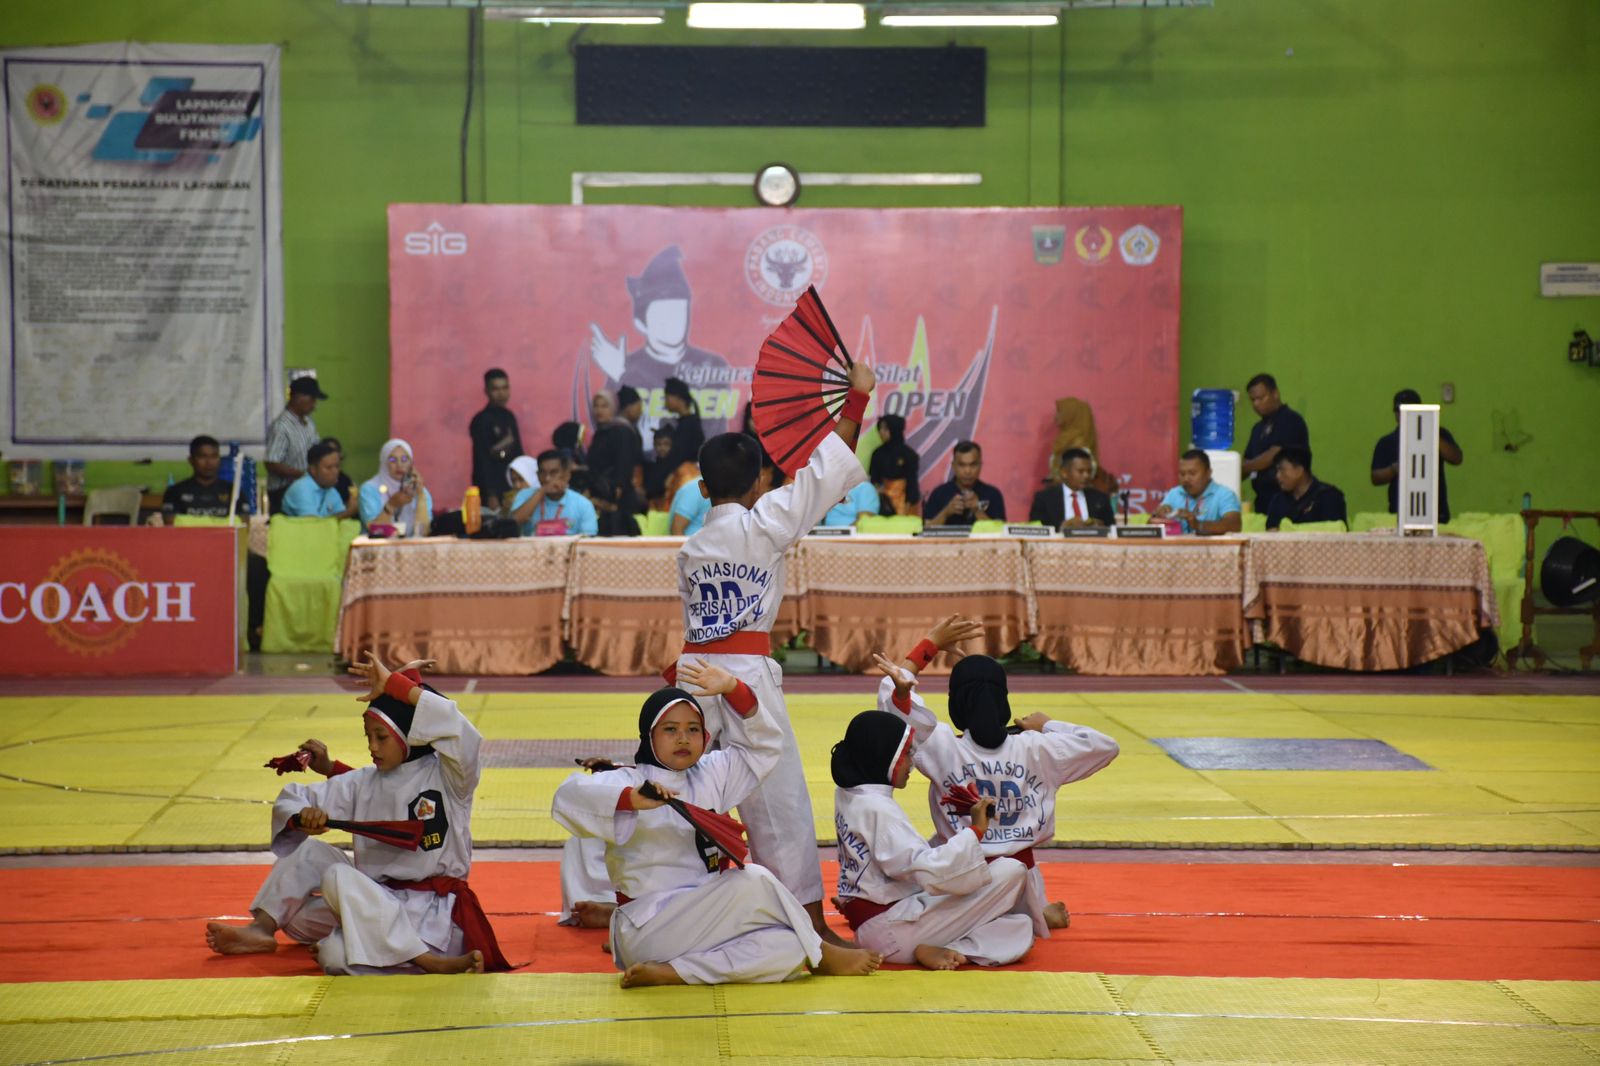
x: 939, y: 905
x: 395, y: 495
x: 1022, y: 769
x: 682, y: 918
x: 894, y: 467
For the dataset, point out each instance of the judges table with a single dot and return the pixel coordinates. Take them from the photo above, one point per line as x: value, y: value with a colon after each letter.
x: 1187, y: 606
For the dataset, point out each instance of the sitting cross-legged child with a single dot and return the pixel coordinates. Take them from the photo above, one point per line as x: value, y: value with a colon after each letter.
x: 402, y: 904
x: 684, y: 915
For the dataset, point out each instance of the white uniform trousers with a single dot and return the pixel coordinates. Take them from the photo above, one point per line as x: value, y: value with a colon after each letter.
x: 783, y: 833
x: 584, y: 878
x: 990, y: 926
x: 742, y: 927
x: 316, y: 895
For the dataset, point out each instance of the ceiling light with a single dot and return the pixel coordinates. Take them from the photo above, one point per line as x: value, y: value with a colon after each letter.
x: 614, y: 15
x: 777, y: 16
x: 969, y: 15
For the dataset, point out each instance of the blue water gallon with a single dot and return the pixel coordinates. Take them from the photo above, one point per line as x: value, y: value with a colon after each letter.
x: 1211, y: 418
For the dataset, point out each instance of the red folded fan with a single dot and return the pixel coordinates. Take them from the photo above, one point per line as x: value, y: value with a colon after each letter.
x: 726, y: 833
x: 291, y: 763
x: 406, y: 834
x: 960, y: 798
x: 802, y: 377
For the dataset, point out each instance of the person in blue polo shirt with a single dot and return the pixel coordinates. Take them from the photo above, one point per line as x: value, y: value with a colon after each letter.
x: 553, y: 499
x: 863, y: 499
x: 1204, y: 506
x: 314, y: 495
x: 689, y: 509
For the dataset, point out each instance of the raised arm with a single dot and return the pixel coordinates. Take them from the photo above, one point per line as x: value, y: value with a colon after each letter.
x: 1075, y: 751
x: 752, y: 752
x: 437, y: 722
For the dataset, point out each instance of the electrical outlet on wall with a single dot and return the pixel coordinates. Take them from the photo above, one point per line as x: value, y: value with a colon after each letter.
x: 1447, y: 392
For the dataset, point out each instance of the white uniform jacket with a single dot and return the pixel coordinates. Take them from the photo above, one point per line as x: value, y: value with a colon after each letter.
x: 883, y: 859
x: 1022, y: 776
x: 651, y: 855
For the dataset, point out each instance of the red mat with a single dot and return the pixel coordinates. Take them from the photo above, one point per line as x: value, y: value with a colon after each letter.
x: 1442, y: 922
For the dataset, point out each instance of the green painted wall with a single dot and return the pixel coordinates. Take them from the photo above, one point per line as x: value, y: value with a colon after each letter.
x: 1368, y: 186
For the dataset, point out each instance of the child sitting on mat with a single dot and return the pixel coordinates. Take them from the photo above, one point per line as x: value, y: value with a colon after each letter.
x: 391, y: 910
x: 685, y: 914
x: 1021, y: 767
x: 940, y: 906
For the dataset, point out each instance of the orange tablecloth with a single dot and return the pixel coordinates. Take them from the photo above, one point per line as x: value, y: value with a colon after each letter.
x: 1367, y: 601
x: 1168, y: 607
x: 867, y: 594
x: 479, y: 607
x: 624, y: 617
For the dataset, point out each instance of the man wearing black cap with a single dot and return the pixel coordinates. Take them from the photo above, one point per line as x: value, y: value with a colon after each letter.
x: 496, y: 439
x: 292, y: 434
x: 661, y: 303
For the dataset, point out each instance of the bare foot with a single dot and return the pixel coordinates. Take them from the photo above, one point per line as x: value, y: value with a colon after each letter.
x: 471, y: 962
x: 936, y: 958
x: 593, y: 915
x: 250, y: 939
x: 1056, y: 916
x: 847, y: 962
x: 645, y: 974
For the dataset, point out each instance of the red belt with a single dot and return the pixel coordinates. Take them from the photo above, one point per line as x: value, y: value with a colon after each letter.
x: 468, y: 915
x: 744, y: 642
x: 1025, y: 857
x: 859, y: 912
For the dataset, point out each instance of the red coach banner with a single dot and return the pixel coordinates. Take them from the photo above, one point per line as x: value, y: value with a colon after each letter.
x: 117, y: 602
x: 976, y: 320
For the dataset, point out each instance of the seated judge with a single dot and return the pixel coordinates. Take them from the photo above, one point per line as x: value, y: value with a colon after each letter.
x: 316, y: 493
x: 689, y: 509
x: 1204, y: 506
x: 204, y: 494
x: 893, y: 469
x: 553, y: 500
x: 1300, y: 497
x: 1073, y: 504
x: 859, y: 501
x: 395, y: 495
x: 964, y: 499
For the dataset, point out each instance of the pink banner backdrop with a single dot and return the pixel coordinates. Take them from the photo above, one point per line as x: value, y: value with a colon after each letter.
x: 976, y: 320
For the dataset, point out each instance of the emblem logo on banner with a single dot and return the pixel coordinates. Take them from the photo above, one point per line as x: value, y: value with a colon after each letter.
x: 435, y: 240
x: 47, y: 105
x: 1049, y: 244
x: 1093, y: 244
x: 1139, y: 246
x: 782, y: 261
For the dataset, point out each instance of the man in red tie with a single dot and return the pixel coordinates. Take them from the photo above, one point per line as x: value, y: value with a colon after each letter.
x: 1073, y: 503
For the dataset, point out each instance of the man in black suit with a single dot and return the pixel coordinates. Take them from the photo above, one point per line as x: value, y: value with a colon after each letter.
x: 1073, y: 502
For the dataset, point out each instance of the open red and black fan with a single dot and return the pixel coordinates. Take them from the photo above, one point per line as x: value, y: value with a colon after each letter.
x: 801, y: 381
x: 726, y: 833
x: 406, y: 834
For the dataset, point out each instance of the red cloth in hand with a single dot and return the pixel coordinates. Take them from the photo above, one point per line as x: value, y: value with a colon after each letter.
x: 960, y: 798
x: 291, y: 763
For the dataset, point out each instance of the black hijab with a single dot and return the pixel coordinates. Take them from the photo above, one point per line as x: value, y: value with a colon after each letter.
x: 979, y: 705
x: 871, y: 746
x: 395, y: 716
x: 654, y: 707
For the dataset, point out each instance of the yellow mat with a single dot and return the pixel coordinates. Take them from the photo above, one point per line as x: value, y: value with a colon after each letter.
x: 892, y: 1017
x: 185, y: 772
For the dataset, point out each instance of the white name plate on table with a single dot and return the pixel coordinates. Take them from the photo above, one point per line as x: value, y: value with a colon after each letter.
x: 1150, y: 532
x: 1086, y: 531
x: 832, y: 531
x: 946, y: 532
x: 1029, y: 531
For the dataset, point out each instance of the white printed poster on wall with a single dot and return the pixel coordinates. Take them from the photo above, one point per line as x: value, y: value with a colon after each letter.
x: 142, y: 297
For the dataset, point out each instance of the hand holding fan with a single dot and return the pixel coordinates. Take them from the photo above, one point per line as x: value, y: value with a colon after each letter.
x: 293, y: 762
x: 802, y: 379
x: 722, y: 831
x: 960, y: 799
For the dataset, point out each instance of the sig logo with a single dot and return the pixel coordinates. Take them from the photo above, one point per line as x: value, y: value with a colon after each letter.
x: 436, y: 240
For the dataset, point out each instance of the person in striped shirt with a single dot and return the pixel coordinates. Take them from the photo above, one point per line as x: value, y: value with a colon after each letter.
x: 292, y: 434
